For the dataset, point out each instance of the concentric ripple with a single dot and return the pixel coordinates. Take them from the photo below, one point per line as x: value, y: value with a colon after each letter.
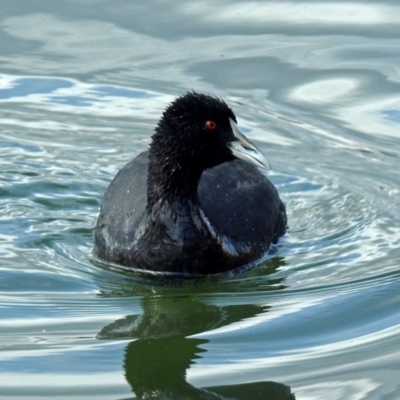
x: 315, y: 314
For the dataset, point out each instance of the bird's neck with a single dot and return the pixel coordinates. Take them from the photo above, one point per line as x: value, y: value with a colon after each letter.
x: 173, y: 204
x: 169, y: 182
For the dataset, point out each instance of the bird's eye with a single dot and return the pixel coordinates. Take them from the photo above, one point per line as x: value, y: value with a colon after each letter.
x: 210, y: 125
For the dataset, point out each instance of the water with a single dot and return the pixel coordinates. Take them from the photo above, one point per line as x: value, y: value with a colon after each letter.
x: 316, y: 85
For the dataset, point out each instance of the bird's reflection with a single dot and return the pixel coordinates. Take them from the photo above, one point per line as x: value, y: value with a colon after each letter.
x: 156, y: 363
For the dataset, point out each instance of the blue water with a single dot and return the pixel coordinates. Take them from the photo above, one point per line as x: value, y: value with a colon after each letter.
x: 316, y: 85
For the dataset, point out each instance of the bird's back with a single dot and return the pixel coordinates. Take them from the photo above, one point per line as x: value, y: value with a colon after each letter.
x: 237, y: 199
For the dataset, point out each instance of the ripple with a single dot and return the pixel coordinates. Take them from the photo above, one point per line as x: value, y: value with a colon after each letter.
x: 325, y: 301
x: 303, y: 13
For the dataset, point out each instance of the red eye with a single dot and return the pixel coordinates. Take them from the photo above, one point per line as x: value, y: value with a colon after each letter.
x: 210, y: 125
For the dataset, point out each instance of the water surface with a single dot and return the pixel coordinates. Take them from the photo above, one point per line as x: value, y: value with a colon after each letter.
x: 315, y: 85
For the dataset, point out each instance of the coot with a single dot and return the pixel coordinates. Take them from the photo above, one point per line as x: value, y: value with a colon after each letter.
x: 196, y: 202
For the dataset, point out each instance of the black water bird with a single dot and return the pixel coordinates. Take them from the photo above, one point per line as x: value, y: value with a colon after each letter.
x: 196, y: 203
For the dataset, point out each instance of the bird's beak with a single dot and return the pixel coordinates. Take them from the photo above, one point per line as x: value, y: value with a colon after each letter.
x: 242, y: 148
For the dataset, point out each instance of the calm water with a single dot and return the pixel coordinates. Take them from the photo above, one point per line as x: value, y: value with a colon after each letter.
x: 316, y: 85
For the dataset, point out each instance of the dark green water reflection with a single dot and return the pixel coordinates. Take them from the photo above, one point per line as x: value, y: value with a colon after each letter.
x: 156, y: 362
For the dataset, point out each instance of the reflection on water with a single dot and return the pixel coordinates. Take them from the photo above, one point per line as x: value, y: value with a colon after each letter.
x: 156, y: 368
x: 156, y: 362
